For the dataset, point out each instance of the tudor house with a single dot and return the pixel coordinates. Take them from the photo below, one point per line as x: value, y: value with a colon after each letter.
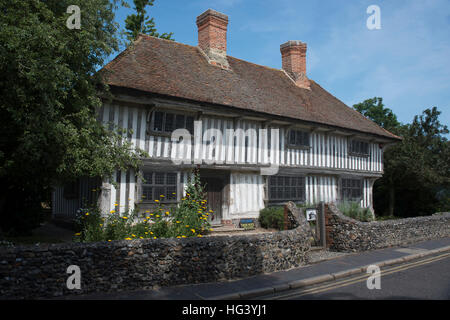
x: 259, y: 135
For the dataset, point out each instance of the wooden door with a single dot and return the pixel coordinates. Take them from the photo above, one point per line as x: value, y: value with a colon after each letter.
x: 214, y: 198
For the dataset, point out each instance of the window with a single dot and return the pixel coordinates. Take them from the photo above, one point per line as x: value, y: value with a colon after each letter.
x: 156, y: 184
x: 351, y: 189
x: 286, y: 188
x: 359, y: 148
x: 166, y: 122
x: 298, y: 138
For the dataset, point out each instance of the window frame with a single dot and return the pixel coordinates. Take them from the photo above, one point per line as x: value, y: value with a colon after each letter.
x: 360, y: 189
x: 297, y: 146
x: 175, y: 113
x: 284, y: 199
x: 154, y: 186
x: 358, y: 153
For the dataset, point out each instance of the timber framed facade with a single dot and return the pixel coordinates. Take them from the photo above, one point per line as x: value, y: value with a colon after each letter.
x: 259, y: 136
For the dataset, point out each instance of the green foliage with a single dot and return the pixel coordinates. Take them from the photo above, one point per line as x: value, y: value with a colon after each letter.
x: 354, y: 211
x: 416, y: 175
x: 188, y: 219
x: 50, y: 98
x: 374, y: 110
x: 140, y: 23
x: 272, y: 217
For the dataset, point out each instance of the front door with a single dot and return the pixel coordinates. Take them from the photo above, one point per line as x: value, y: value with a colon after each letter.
x: 214, y: 193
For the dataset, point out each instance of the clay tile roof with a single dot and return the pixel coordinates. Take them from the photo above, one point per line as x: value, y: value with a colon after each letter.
x: 174, y: 69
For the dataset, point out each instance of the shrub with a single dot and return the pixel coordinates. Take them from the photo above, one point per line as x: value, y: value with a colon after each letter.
x: 354, y: 211
x: 272, y: 217
x: 188, y: 219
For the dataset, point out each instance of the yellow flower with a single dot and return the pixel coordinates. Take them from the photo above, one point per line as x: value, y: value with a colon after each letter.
x: 154, y: 237
x: 178, y: 237
x: 173, y: 193
x: 141, y: 238
x: 183, y: 199
x: 183, y: 236
x: 211, y: 211
x: 101, y: 225
x: 133, y: 235
x: 125, y: 218
x: 77, y: 234
x: 187, y: 226
x: 167, y: 212
x: 199, y: 236
x: 115, y: 204
x: 112, y: 211
x: 146, y: 232
x: 162, y: 196
x: 157, y: 215
x: 178, y: 221
x: 128, y: 239
x: 151, y: 232
x: 109, y: 240
x: 156, y: 200
x: 211, y: 229
x: 87, y: 213
x: 143, y: 197
x: 193, y: 230
x: 147, y: 211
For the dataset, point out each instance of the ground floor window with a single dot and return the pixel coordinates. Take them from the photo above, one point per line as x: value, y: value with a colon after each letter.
x: 351, y: 189
x: 156, y: 184
x: 285, y: 188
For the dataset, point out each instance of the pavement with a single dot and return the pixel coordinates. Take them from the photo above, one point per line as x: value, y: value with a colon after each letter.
x: 282, y: 281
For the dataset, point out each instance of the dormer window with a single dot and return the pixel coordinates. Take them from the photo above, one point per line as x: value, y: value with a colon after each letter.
x: 166, y: 122
x: 298, y: 139
x: 358, y: 148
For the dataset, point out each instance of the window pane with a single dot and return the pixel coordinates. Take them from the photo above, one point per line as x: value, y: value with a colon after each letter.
x: 306, y: 139
x: 169, y: 123
x: 180, y: 121
x: 190, y: 124
x: 160, y: 191
x: 292, y: 137
x: 147, y: 193
x: 280, y: 181
x: 171, y: 193
x: 159, y: 178
x: 298, y: 138
x: 158, y: 121
x: 148, y: 178
x: 171, y: 179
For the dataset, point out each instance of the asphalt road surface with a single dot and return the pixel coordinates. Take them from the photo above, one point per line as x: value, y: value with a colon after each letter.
x: 427, y: 278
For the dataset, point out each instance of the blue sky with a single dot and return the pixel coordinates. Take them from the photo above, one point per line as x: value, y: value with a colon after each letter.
x: 406, y: 62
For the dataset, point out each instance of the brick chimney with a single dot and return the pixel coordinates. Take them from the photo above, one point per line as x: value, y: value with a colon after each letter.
x: 293, y: 57
x: 212, y: 37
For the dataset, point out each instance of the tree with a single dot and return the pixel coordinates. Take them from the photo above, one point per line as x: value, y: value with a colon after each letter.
x: 416, y: 175
x: 50, y: 97
x: 140, y: 23
x: 374, y: 110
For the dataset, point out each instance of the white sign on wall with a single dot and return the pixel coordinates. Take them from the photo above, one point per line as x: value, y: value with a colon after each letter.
x: 311, y: 214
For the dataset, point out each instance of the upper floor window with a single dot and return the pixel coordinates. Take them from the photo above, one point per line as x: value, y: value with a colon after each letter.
x: 359, y: 148
x: 166, y: 122
x: 351, y: 189
x: 284, y: 188
x: 157, y: 184
x: 298, y: 138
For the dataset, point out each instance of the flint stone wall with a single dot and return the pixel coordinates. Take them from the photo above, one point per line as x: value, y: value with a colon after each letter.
x: 40, y: 271
x: 349, y: 235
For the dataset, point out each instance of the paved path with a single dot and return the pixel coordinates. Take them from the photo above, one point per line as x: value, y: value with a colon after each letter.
x: 282, y: 281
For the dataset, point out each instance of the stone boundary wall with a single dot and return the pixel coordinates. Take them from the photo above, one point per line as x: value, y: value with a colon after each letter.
x: 40, y: 271
x: 349, y: 235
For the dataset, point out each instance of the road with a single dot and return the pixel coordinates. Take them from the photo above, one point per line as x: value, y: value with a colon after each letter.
x: 427, y: 278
